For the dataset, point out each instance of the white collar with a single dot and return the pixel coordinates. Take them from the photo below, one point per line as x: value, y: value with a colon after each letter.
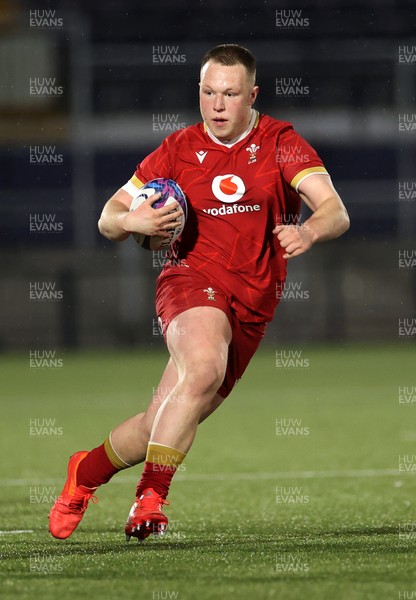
x: 254, y: 115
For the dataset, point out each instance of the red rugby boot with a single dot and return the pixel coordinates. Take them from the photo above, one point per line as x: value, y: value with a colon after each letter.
x: 69, y: 508
x: 146, y: 516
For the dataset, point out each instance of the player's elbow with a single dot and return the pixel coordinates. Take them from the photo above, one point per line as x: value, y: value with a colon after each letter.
x: 108, y: 229
x: 100, y: 226
x: 103, y: 227
x: 340, y: 217
x: 344, y: 221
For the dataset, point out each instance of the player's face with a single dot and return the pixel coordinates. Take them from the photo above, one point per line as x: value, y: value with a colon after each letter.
x: 226, y: 95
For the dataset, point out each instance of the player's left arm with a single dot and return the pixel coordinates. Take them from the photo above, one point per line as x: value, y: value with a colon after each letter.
x: 329, y: 220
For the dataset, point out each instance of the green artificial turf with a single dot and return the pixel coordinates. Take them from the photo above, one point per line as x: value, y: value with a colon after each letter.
x: 295, y: 488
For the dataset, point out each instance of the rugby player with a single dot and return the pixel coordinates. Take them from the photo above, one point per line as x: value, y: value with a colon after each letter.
x: 245, y: 175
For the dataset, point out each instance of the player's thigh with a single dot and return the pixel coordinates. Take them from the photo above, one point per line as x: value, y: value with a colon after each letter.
x: 198, y: 341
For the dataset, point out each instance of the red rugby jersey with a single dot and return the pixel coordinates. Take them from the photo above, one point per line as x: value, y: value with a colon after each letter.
x: 236, y: 195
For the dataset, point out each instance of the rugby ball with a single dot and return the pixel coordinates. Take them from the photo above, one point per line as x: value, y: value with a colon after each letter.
x: 170, y: 191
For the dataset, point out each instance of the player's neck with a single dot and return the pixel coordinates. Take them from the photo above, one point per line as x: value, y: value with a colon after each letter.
x: 238, y: 138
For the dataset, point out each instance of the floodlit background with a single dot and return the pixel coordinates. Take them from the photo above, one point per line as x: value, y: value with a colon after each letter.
x: 88, y: 89
x: 302, y: 484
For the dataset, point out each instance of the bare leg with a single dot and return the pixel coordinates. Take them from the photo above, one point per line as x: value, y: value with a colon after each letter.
x: 130, y: 438
x: 198, y: 342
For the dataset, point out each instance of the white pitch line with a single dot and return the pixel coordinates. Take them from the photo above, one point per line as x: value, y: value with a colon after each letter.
x: 14, y: 531
x: 23, y: 482
x: 352, y: 473
x: 277, y: 475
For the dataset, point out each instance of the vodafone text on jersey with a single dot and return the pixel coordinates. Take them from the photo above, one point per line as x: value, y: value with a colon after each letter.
x: 230, y: 189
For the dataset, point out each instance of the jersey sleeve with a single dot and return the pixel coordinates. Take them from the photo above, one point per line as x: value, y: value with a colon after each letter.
x: 297, y: 158
x: 157, y: 164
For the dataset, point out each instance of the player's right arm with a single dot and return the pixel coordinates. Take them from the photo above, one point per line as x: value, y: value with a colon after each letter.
x: 116, y: 222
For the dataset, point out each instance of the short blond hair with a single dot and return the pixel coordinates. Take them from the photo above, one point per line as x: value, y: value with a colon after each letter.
x: 230, y: 55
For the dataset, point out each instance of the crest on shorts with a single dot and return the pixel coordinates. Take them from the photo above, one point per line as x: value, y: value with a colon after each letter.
x: 210, y: 293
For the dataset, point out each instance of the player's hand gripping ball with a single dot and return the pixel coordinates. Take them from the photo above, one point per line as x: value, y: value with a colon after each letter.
x: 170, y: 191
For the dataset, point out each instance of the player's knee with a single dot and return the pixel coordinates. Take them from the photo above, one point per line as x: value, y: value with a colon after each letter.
x: 205, y: 376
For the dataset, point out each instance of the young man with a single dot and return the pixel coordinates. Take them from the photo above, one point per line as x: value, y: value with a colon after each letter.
x: 244, y: 175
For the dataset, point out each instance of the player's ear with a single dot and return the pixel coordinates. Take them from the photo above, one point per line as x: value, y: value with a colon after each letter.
x: 254, y: 94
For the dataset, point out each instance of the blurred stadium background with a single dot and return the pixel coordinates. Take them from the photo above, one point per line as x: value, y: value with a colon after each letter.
x: 88, y: 89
